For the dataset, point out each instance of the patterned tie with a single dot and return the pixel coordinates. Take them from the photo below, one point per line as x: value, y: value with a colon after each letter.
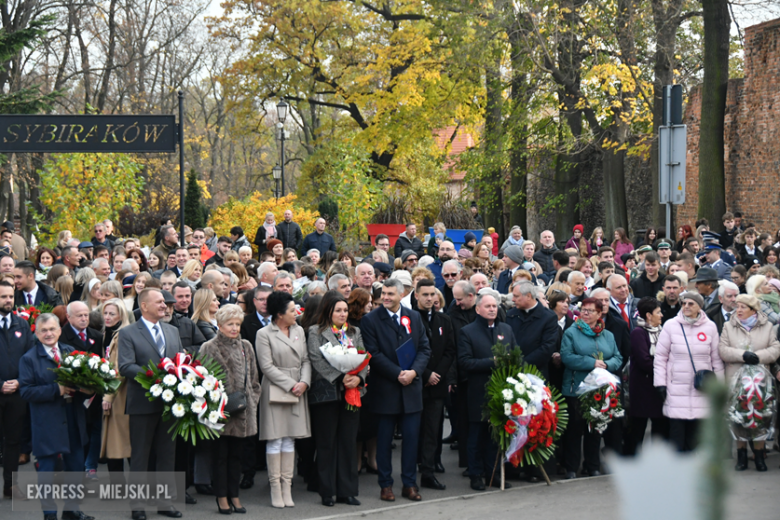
x: 83, y: 336
x: 55, y: 354
x: 159, y: 340
x: 29, y: 299
x: 623, y: 311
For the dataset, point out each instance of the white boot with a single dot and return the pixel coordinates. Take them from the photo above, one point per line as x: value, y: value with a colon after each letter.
x: 273, y: 460
x: 288, y: 470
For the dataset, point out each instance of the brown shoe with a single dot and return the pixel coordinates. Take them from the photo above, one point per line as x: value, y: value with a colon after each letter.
x: 387, y: 494
x: 411, y: 493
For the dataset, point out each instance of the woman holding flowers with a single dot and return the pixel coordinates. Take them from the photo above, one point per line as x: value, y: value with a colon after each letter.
x: 115, y: 443
x: 585, y: 345
x: 237, y: 358
x: 748, y: 340
x: 284, y: 411
x: 336, y: 426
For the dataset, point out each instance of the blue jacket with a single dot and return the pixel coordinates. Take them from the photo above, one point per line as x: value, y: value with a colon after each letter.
x: 537, y: 332
x: 381, y: 339
x: 504, y: 281
x: 48, y: 409
x: 322, y: 242
x: 436, y: 268
x: 578, y: 351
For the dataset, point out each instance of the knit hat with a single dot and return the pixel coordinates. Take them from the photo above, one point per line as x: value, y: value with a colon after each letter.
x: 404, y: 276
x: 464, y: 253
x: 272, y: 243
x: 528, y: 266
x: 491, y: 230
x: 407, y: 253
x: 579, y: 227
x: 750, y: 301
x: 468, y: 237
x: 751, y: 260
x: 690, y: 295
x: 774, y: 282
x: 514, y: 253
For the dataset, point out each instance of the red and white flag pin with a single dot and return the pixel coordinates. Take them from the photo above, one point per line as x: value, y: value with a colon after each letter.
x: 407, y: 324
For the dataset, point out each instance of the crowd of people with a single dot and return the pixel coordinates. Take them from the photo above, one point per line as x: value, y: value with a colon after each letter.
x: 652, y: 310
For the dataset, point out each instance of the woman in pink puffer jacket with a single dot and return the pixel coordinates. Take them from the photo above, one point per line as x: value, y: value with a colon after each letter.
x: 674, y: 373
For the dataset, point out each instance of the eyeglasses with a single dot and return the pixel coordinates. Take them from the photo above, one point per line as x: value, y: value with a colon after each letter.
x: 449, y: 275
x: 588, y: 311
x: 689, y: 304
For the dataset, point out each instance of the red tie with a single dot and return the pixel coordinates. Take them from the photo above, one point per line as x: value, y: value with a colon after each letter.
x: 55, y: 354
x: 29, y: 299
x: 83, y: 336
x: 623, y: 312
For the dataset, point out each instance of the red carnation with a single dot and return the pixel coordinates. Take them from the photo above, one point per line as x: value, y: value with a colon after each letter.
x: 510, y: 427
x: 172, y: 371
x: 613, y: 403
x: 158, y: 381
x: 597, y: 397
x: 149, y: 373
x: 548, y: 442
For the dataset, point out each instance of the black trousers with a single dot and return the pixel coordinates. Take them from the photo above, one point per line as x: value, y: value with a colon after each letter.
x: 659, y: 428
x: 430, y: 434
x: 684, y: 433
x: 482, y: 451
x: 227, y: 465
x: 576, y: 436
x: 250, y: 461
x: 336, y: 444
x: 462, y: 404
x: 185, y: 460
x: 13, y: 417
x: 148, y: 432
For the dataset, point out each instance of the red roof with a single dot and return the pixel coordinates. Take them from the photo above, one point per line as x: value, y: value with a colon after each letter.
x: 462, y: 142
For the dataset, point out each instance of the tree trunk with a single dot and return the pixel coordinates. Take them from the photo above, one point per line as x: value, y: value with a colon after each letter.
x: 712, y: 179
x: 518, y: 161
x: 492, y: 186
x: 613, y: 164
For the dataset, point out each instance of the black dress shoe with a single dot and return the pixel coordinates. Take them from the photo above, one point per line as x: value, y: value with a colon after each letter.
x: 50, y: 516
x: 328, y: 501
x: 350, y: 501
x: 477, y: 484
x: 571, y: 475
x: 189, y: 499
x: 438, y: 468
x: 247, y: 482
x: 594, y: 473
x: 371, y: 471
x: 204, y: 489
x: 432, y: 483
x: 139, y: 515
x: 171, y: 512
x: 76, y: 515
x: 449, y: 439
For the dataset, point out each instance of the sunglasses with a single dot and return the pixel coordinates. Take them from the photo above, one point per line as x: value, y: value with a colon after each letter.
x: 449, y: 275
x: 689, y: 304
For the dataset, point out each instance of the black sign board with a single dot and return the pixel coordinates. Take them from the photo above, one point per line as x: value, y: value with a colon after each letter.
x: 104, y: 133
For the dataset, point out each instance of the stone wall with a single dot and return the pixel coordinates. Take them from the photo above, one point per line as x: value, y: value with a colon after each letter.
x: 752, y: 135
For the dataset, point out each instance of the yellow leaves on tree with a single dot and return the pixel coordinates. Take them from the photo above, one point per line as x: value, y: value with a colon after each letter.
x: 250, y: 212
x: 82, y: 189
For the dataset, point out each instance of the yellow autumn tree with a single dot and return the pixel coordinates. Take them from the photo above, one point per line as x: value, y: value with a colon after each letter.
x: 249, y: 213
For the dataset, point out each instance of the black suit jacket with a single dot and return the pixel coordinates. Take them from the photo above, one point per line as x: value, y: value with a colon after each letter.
x: 443, y: 352
x: 189, y: 333
x: 93, y: 344
x: 382, y: 338
x: 715, y: 314
x: 45, y: 294
x: 14, y: 343
x: 249, y: 329
x: 136, y: 349
x: 537, y: 332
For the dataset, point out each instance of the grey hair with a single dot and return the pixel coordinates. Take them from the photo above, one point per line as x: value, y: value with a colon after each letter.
x: 313, y: 286
x: 725, y: 285
x: 128, y: 264
x: 69, y: 310
x: 264, y: 268
x: 612, y: 277
x: 452, y: 262
x: 281, y: 276
x: 97, y: 261
x: 310, y: 251
x: 597, y: 291
x: 84, y: 275
x: 333, y: 281
x: 229, y: 312
x: 487, y: 292
x: 394, y: 282
x: 573, y: 275
x: 244, y: 249
x: 466, y: 287
x: 526, y: 288
x: 47, y: 317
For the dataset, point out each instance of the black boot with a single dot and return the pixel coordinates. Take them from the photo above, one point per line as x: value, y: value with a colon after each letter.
x: 759, y: 457
x: 742, y: 462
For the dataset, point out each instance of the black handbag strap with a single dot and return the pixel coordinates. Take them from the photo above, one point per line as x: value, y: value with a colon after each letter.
x: 688, y: 346
x: 243, y: 351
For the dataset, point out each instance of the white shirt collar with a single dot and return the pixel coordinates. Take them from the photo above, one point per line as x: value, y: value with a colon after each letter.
x: 32, y: 294
x: 50, y: 350
x: 150, y: 327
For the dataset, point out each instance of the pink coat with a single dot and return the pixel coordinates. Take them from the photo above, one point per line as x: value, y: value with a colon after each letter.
x: 672, y: 365
x: 621, y: 249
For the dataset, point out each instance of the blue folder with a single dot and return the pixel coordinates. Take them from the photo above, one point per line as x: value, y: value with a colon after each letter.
x: 406, y: 354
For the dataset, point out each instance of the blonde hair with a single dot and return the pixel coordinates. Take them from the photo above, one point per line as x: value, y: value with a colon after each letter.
x: 146, y: 276
x: 753, y: 283
x: 113, y: 288
x: 64, y: 286
x: 201, y: 301
x: 382, y: 255
x: 124, y: 315
x: 422, y: 271
x: 189, y: 268
x: 231, y: 255
x: 229, y: 312
x: 522, y: 273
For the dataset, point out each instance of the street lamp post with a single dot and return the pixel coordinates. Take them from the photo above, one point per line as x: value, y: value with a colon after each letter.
x: 281, y: 112
x: 277, y: 172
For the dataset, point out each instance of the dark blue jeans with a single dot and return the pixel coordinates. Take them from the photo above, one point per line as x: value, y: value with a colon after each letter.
x: 410, y: 429
x: 72, y: 462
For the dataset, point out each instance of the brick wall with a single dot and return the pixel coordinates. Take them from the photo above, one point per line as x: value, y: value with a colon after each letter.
x: 752, y: 135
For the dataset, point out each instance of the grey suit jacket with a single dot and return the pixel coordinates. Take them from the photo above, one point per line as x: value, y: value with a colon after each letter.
x: 136, y: 349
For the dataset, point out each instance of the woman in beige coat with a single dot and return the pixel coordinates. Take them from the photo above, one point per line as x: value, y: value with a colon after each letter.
x: 115, y: 440
x: 748, y: 328
x: 284, y: 411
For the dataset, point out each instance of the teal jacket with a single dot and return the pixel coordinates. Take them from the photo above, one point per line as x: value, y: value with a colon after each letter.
x: 579, y: 351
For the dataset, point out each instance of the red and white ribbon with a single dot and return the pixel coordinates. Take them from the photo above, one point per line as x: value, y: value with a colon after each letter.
x: 180, y: 364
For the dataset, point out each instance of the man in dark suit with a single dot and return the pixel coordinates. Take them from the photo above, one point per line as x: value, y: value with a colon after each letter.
x: 397, y: 392
x: 475, y: 357
x: 723, y: 311
x: 149, y: 339
x: 513, y: 258
x: 535, y: 325
x: 59, y: 429
x: 30, y: 292
x: 78, y: 335
x: 15, y: 340
x: 441, y: 337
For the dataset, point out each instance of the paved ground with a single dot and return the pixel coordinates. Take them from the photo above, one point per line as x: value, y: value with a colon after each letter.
x: 583, y: 499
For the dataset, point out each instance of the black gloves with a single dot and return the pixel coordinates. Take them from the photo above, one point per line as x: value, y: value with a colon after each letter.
x: 750, y: 358
x: 661, y: 392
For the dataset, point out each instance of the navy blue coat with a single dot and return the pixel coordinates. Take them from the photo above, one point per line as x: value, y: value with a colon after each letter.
x: 381, y: 338
x: 475, y: 358
x: 504, y: 281
x: 48, y: 409
x: 538, y: 334
x: 322, y: 242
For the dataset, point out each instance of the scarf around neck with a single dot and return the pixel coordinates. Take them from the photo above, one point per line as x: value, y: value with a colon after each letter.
x: 587, y: 330
x: 652, y: 332
x: 341, y: 335
x: 773, y: 299
x: 750, y: 322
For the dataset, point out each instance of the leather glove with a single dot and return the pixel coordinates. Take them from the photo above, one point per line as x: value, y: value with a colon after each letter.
x: 661, y: 392
x: 750, y: 358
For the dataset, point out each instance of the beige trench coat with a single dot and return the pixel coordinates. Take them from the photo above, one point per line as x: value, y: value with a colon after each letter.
x: 115, y: 437
x: 734, y: 339
x: 284, y: 362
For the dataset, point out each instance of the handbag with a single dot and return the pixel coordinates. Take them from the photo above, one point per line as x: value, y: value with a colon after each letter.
x: 322, y: 391
x: 236, y: 402
x: 277, y: 395
x: 700, y: 377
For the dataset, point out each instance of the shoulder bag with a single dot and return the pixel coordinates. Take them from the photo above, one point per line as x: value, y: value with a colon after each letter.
x: 236, y: 401
x: 700, y: 377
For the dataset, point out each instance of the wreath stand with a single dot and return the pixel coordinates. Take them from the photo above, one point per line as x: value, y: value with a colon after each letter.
x: 500, y: 456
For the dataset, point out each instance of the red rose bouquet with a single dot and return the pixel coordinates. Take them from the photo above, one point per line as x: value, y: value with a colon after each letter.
x: 30, y: 313
x: 752, y: 405
x: 599, y: 395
